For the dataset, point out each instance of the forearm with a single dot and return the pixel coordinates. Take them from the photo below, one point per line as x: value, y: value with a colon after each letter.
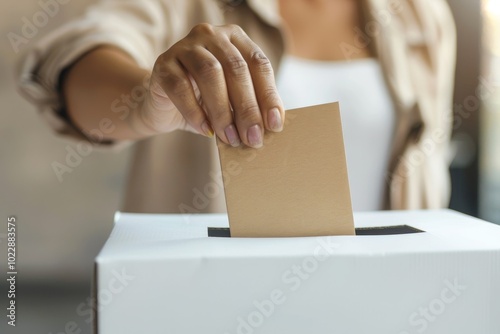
x: 104, y: 92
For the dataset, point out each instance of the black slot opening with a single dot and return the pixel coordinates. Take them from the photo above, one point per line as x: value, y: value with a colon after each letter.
x: 379, y: 230
x: 387, y: 230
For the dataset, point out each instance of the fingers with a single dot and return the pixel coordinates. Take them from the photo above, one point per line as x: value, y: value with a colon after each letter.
x: 241, y: 92
x: 208, y: 74
x: 175, y: 82
x: 236, y: 82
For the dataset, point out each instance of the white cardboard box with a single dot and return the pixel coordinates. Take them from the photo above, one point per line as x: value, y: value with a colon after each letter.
x: 163, y: 274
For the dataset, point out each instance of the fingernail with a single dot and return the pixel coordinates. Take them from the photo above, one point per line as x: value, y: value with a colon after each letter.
x: 207, y: 129
x: 232, y: 136
x: 274, y: 120
x: 254, y: 135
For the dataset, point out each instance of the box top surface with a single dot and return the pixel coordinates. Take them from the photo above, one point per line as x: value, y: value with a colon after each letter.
x: 177, y: 236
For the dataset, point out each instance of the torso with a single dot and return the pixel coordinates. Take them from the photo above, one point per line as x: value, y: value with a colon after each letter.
x: 314, y: 70
x: 315, y: 29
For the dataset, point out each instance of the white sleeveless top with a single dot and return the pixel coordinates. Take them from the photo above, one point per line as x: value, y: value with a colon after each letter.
x: 368, y: 116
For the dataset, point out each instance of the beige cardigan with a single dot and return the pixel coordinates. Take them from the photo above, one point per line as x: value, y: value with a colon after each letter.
x: 413, y: 39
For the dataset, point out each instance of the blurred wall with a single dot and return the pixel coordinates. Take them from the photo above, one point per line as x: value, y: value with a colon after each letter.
x: 465, y: 143
x: 490, y: 114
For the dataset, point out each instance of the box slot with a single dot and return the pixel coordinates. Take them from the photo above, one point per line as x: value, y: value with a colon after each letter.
x: 224, y: 232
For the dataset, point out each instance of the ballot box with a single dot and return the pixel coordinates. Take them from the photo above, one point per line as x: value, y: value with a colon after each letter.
x: 404, y: 272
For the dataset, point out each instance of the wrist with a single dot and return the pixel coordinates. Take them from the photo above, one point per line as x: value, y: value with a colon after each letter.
x: 141, y: 120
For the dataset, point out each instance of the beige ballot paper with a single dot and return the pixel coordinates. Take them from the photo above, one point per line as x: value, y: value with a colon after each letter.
x: 296, y: 185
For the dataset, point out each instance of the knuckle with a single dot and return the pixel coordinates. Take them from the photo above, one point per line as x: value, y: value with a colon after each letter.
x: 219, y: 118
x: 260, y: 60
x: 234, y: 28
x: 160, y: 66
x: 208, y: 68
x: 176, y: 85
x: 236, y: 66
x: 190, y: 115
x: 203, y: 29
x: 248, y: 112
x: 269, y: 95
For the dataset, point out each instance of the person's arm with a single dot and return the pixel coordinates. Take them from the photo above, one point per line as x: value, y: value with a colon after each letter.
x: 214, y: 78
x: 98, y: 88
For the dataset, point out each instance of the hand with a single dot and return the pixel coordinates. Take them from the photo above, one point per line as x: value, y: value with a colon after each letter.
x: 215, y: 80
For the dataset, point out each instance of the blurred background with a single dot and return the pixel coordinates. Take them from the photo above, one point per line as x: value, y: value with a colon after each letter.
x: 63, y: 225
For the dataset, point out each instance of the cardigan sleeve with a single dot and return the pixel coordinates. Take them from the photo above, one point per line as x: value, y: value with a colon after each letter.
x: 142, y: 29
x: 421, y: 177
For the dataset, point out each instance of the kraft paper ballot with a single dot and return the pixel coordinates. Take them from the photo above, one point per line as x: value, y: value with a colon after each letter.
x: 294, y: 186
